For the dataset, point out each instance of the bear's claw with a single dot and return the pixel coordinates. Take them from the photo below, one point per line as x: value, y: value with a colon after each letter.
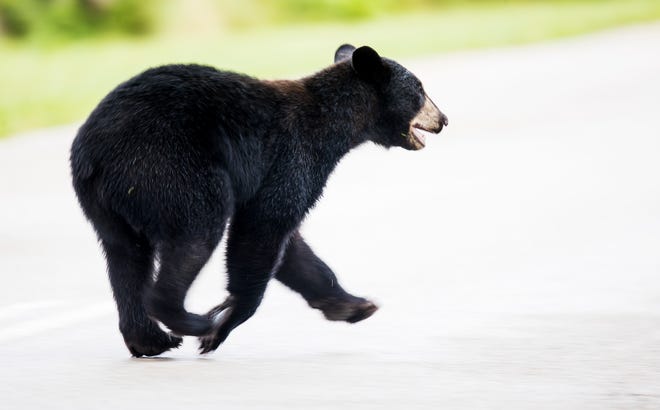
x: 152, y: 343
x: 349, y: 309
x: 219, y: 315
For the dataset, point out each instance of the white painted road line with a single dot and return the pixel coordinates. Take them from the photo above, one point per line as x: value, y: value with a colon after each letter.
x: 56, y: 321
x: 7, y: 312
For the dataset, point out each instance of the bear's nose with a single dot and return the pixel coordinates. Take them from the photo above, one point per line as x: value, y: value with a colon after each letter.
x: 444, y: 120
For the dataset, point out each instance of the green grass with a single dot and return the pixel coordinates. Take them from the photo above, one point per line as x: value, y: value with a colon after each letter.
x: 43, y: 87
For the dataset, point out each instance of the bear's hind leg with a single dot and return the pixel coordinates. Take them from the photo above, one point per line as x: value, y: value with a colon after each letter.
x: 180, y: 262
x: 305, y: 273
x: 130, y: 266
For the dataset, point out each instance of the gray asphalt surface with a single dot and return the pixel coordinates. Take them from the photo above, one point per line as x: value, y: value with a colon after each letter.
x: 515, y: 259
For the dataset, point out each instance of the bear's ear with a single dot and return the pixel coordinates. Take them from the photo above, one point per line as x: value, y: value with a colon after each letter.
x: 368, y: 65
x: 344, y: 52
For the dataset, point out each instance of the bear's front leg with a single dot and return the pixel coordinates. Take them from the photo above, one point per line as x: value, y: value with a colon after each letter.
x: 254, y: 252
x: 304, y: 272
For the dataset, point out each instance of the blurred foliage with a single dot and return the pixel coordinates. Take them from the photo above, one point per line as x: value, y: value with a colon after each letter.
x: 67, y: 19
x: 54, y: 20
x: 251, y: 12
x: 47, y: 81
x: 293, y: 11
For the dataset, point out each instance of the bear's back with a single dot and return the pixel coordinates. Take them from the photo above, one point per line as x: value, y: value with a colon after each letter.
x: 174, y: 132
x: 178, y: 110
x: 166, y: 98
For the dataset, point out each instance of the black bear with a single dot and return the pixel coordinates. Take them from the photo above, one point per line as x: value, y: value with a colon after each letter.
x: 173, y: 156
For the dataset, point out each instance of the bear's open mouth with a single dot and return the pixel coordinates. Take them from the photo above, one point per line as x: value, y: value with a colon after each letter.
x: 418, y: 135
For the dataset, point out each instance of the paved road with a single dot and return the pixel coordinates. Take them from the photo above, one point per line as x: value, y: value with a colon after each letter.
x: 516, y: 259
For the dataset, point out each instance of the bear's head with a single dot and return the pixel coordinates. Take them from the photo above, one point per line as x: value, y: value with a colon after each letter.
x: 405, y: 114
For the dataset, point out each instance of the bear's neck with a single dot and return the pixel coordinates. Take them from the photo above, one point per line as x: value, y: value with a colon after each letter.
x: 339, y: 109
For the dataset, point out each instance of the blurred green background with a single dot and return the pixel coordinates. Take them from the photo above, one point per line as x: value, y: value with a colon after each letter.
x: 58, y: 58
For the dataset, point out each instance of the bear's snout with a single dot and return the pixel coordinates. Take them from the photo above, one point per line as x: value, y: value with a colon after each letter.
x: 430, y: 118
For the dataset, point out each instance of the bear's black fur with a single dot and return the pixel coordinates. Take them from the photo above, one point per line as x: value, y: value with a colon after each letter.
x: 173, y: 155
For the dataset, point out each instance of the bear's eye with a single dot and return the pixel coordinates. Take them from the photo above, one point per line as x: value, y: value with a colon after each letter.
x: 421, y: 94
x: 422, y: 98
